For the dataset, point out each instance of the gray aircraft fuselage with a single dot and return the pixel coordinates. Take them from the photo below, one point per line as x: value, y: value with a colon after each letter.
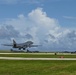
x: 23, y: 46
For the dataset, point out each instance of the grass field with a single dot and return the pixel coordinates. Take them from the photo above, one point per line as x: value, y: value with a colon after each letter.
x: 5, y: 51
x: 38, y: 67
x: 34, y: 55
x: 16, y: 67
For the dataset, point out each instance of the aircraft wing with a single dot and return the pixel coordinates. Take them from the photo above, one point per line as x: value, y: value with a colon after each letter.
x: 34, y: 45
x: 7, y: 44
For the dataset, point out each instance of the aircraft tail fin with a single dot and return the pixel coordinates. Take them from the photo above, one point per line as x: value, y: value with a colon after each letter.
x: 14, y: 43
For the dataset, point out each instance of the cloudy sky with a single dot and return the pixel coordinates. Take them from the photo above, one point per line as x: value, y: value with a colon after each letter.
x: 50, y: 23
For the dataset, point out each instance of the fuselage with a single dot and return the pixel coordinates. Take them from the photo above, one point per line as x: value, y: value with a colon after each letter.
x: 23, y: 45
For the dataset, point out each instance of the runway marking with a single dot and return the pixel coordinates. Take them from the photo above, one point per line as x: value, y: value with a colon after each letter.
x: 18, y: 58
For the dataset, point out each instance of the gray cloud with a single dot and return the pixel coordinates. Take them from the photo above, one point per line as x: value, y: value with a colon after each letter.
x: 8, y: 31
x: 64, y: 42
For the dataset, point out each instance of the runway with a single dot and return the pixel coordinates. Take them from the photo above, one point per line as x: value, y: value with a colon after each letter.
x: 41, y: 53
x: 19, y: 58
x: 22, y: 58
x: 27, y: 53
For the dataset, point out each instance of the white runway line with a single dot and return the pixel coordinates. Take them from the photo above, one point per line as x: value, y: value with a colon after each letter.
x: 18, y: 58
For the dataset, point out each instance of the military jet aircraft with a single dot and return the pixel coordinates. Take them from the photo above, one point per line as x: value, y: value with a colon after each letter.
x: 20, y: 46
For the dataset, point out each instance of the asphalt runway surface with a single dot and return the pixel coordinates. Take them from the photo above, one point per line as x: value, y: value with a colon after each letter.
x: 26, y: 53
x: 21, y: 58
x: 41, y: 53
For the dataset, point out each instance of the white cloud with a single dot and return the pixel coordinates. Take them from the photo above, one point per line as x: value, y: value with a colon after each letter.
x: 41, y: 19
x: 43, y: 30
x: 69, y: 17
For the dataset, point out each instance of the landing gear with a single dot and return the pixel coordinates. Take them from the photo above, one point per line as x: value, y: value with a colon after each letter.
x: 11, y: 50
x: 19, y: 48
x: 27, y: 50
x: 23, y: 48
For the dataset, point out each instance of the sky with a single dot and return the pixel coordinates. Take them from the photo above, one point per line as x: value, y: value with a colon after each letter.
x: 50, y: 23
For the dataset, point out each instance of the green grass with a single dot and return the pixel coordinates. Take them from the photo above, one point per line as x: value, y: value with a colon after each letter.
x: 27, y: 55
x: 4, y: 51
x: 16, y: 67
